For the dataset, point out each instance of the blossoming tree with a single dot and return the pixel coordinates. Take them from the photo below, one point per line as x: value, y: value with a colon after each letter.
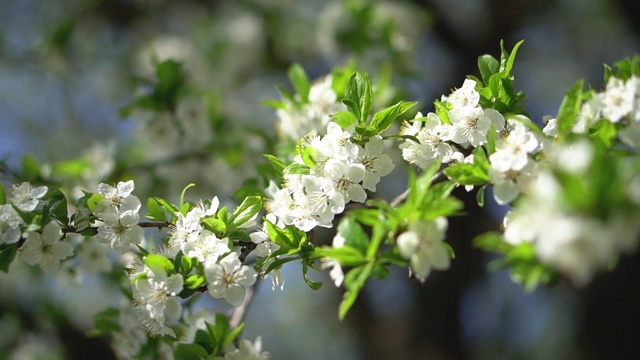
x: 573, y: 187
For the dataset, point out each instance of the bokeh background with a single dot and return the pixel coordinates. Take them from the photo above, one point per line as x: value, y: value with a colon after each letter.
x: 68, y: 67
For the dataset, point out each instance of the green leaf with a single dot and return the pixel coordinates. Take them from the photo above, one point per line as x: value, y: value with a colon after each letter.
x: 569, y: 109
x: 246, y: 211
x: 296, y: 169
x: 194, y: 281
x: 72, y: 168
x: 56, y: 207
x: 215, y: 225
x: 186, y: 262
x: 93, y: 200
x: 157, y: 262
x: 233, y: 335
x: 359, y: 96
x: 6, y: 257
x: 156, y: 212
x: 184, y: 192
x: 300, y: 81
x: 282, y: 237
x: 508, y: 65
x: 314, y: 285
x: 345, y: 255
x: 353, y: 282
x: 190, y: 352
x: 442, y: 110
x: 467, y: 174
x: 353, y: 234
x: 106, y: 323
x: 480, y: 195
x: 488, y: 65
x: 383, y: 119
x: 275, y: 104
x: 492, y: 241
x: 277, y: 164
x: 3, y: 195
x: 167, y: 205
x: 344, y: 119
x: 30, y: 168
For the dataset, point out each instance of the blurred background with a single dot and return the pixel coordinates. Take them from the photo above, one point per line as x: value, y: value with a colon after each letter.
x: 67, y: 69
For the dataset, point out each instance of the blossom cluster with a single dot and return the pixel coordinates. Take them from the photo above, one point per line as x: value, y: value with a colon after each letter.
x: 339, y: 171
x: 469, y: 126
x: 299, y: 118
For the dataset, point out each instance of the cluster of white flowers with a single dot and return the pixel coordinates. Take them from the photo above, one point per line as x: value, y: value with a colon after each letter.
x: 579, y: 244
x: 511, y: 163
x: 246, y: 350
x: 296, y: 120
x: 619, y: 103
x: 341, y: 173
x: 576, y: 243
x: 44, y: 247
x: 119, y: 214
x: 156, y: 301
x: 190, y: 237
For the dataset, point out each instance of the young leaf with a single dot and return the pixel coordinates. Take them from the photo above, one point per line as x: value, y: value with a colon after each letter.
x: 300, y: 82
x: 3, y: 195
x: 359, y: 96
x: 488, y: 65
x: 344, y: 119
x: 184, y: 192
x: 467, y: 174
x: 157, y: 262
x: 354, y: 281
x: 512, y: 57
x: 106, y: 323
x: 190, y: 352
x: 383, y: 119
x: 246, y: 211
x: 277, y: 164
x: 569, y: 108
x: 314, y: 285
x: 353, y: 234
x: 165, y: 204
x: 6, y: 257
x: 155, y: 210
x: 30, y: 168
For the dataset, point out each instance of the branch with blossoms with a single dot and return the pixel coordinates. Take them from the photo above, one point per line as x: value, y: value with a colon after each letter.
x: 562, y: 223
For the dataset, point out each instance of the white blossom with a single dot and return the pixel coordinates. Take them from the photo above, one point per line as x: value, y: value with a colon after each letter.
x: 46, y: 249
x: 336, y: 274
x: 470, y: 126
x: 619, y: 99
x: 434, y: 143
x: 376, y: 163
x: 10, y: 223
x: 157, y: 303
x: 465, y: 96
x: 228, y: 278
x: 422, y: 244
x: 25, y: 197
x: 120, y: 230
x: 206, y: 246
x: 508, y: 184
x: 347, y: 178
x: 512, y: 151
x: 248, y: 351
x: 118, y: 199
